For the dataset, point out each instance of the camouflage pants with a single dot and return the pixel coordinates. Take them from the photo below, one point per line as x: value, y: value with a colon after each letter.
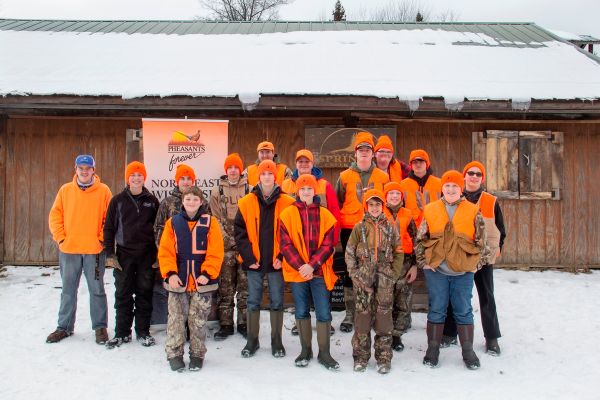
x: 193, y: 307
x: 373, y: 311
x: 403, y: 295
x: 233, y: 282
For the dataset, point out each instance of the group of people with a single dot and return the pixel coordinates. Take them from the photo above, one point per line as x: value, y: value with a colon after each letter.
x: 269, y: 223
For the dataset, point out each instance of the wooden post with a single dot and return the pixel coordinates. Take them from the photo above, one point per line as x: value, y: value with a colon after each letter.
x: 133, y: 143
x: 3, y: 134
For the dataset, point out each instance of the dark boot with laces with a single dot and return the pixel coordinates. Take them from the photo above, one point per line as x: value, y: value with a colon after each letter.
x: 117, y: 341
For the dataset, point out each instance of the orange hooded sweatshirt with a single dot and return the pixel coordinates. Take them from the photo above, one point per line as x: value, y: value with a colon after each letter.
x: 77, y: 216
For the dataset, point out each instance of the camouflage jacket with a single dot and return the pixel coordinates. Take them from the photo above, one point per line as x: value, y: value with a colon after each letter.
x: 480, y: 240
x: 374, y: 250
x: 223, y: 205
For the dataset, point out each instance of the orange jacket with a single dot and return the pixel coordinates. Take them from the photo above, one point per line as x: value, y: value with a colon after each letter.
x: 415, y: 198
x: 352, y: 210
x: 252, y: 172
x: 290, y: 218
x: 77, y: 217
x: 250, y: 212
x: 167, y: 252
x: 487, y: 204
x: 403, y: 219
x: 395, y: 171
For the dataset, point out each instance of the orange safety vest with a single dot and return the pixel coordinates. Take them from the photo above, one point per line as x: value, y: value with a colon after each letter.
x: 252, y: 172
x: 487, y: 204
x: 289, y: 187
x: 250, y: 210
x: 395, y: 171
x: 403, y: 219
x: 459, y: 249
x: 416, y: 200
x: 290, y: 218
x: 352, y: 211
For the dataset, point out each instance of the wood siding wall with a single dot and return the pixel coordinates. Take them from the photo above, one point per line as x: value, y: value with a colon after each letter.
x: 36, y: 157
x: 39, y: 158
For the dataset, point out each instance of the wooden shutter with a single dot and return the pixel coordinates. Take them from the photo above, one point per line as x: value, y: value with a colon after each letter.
x: 540, y: 164
x: 499, y: 152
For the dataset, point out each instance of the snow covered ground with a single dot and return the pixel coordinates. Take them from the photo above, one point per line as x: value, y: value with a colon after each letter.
x: 549, y: 320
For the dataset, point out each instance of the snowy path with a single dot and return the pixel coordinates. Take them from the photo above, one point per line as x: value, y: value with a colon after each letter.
x: 549, y: 320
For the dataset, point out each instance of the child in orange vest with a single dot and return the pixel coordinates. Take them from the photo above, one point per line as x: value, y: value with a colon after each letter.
x: 374, y: 259
x: 403, y: 289
x: 190, y: 256
x: 451, y: 246
x: 307, y: 233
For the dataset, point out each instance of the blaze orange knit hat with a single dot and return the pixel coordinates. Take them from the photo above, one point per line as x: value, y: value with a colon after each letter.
x: 305, y: 153
x: 134, y: 167
x: 306, y: 180
x: 384, y: 142
x: 453, y: 176
x: 363, y: 139
x: 235, y: 160
x: 373, y: 194
x: 475, y: 164
x: 419, y: 155
x: 265, y: 146
x: 388, y: 187
x: 184, y: 170
x: 267, y: 166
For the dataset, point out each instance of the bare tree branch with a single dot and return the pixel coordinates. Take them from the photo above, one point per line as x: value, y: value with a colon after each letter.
x: 243, y: 10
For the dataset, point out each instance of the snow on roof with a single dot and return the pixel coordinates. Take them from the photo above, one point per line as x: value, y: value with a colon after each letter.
x: 408, y: 64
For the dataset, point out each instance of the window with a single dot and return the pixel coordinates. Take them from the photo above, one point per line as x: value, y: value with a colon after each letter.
x: 521, y: 164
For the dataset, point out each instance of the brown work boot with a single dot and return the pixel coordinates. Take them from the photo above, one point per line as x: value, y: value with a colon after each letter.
x: 465, y: 335
x: 434, y: 337
x: 305, y: 333
x: 57, y: 336
x: 101, y: 336
x: 323, y: 338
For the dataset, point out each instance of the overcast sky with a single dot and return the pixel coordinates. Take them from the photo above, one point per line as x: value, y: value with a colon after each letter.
x: 576, y: 16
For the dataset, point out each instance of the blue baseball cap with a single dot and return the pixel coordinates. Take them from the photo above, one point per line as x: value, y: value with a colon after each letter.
x: 85, y: 159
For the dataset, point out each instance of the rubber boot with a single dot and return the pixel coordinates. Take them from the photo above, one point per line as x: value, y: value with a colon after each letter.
x: 434, y: 337
x: 305, y: 334
x: 465, y: 335
x: 347, y: 324
x: 277, y: 348
x: 252, y: 344
x: 323, y: 338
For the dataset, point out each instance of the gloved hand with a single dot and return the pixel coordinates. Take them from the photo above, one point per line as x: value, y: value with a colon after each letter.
x: 113, y: 262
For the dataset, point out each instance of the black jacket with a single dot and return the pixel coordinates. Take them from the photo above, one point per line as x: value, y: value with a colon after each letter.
x: 130, y: 222
x: 265, y: 235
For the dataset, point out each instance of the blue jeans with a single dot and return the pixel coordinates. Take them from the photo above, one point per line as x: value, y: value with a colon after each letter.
x: 315, y: 288
x: 255, y: 290
x: 456, y: 289
x: 71, y: 267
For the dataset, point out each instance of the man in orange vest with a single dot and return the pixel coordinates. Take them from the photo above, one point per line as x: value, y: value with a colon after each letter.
x: 451, y: 246
x: 352, y: 184
x: 403, y: 289
x: 474, y: 173
x: 266, y: 151
x: 385, y: 160
x: 76, y: 222
x: 420, y: 187
x: 256, y: 229
x: 307, y: 243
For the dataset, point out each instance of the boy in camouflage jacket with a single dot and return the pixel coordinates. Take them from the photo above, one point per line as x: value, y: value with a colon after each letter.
x: 375, y: 262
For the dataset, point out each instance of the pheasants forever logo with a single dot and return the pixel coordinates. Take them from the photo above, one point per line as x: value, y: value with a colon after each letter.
x: 184, y: 147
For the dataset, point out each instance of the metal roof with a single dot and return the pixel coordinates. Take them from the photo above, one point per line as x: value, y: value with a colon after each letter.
x: 523, y: 34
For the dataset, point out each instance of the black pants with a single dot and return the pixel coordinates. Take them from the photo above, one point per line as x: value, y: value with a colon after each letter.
x: 344, y: 237
x: 133, y: 292
x: 484, y: 282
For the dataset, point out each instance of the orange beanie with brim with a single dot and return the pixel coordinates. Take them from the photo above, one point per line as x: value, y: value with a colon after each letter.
x: 184, y: 170
x: 475, y: 164
x: 453, y: 176
x: 419, y: 154
x: 134, y: 167
x: 373, y: 194
x: 234, y: 160
x: 363, y: 139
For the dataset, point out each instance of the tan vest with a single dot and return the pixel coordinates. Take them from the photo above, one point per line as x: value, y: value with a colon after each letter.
x: 452, y: 241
